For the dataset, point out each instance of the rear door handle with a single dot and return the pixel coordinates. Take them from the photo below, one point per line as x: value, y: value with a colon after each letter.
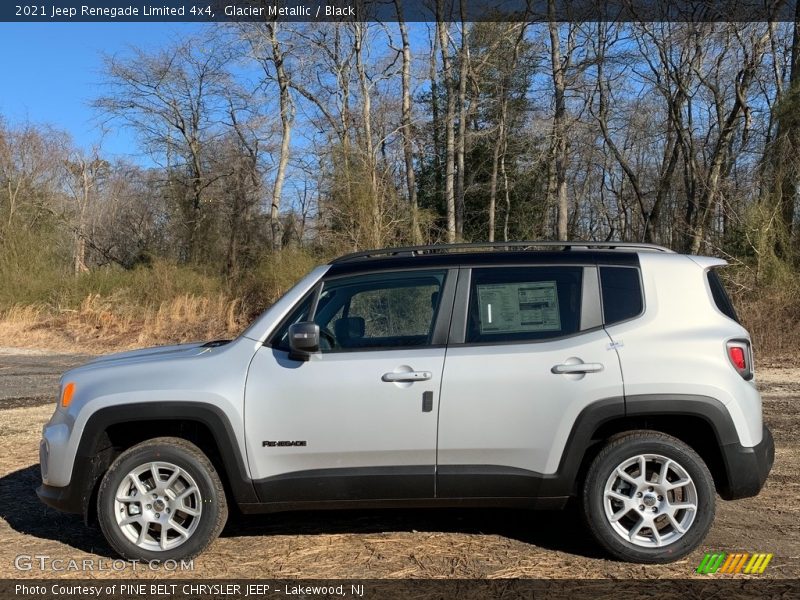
x: 406, y: 376
x: 565, y: 369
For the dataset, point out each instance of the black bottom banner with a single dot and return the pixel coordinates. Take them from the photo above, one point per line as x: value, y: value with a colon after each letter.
x: 444, y: 589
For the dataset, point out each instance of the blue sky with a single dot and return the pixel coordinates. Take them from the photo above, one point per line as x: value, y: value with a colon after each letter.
x: 52, y: 71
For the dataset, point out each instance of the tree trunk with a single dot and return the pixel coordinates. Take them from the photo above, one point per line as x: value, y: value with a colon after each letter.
x: 462, y: 125
x: 436, y: 121
x: 368, y: 149
x: 703, y: 215
x: 287, y: 118
x: 405, y: 128
x: 498, y: 144
x: 788, y: 145
x: 449, y: 193
x: 558, y: 177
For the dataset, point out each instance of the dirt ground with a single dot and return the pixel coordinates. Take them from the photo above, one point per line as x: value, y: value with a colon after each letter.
x: 379, y: 544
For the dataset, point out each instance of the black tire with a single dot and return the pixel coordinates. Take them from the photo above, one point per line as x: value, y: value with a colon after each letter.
x: 189, y: 458
x: 614, y: 454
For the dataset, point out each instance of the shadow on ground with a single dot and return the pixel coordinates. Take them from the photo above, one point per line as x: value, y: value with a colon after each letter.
x: 562, y: 530
x: 24, y: 512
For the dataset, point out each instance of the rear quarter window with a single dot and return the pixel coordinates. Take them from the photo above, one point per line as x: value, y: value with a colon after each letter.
x: 721, y: 298
x: 622, y: 294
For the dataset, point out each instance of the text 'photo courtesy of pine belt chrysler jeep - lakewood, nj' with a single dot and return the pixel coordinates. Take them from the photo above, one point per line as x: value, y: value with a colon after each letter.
x: 470, y: 375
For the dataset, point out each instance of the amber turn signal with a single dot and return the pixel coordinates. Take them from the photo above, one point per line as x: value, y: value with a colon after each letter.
x: 66, y: 394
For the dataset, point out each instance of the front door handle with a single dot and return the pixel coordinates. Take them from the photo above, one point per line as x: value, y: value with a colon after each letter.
x: 406, y: 376
x: 566, y: 369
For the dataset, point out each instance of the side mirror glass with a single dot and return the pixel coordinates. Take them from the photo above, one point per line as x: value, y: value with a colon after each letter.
x: 303, y: 340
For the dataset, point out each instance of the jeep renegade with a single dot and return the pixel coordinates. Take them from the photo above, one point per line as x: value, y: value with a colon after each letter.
x: 507, y: 375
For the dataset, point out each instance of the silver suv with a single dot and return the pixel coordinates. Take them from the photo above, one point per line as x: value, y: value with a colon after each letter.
x: 511, y: 375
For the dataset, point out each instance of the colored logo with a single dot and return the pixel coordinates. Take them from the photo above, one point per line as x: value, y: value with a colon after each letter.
x: 743, y: 562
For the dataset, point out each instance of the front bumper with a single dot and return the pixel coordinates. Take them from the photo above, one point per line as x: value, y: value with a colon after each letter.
x: 748, y: 468
x: 63, y: 499
x: 78, y: 495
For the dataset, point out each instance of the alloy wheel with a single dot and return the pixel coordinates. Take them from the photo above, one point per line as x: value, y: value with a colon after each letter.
x: 650, y: 500
x: 158, y: 506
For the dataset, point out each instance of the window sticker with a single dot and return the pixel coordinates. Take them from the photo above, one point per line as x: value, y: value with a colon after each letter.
x: 517, y: 307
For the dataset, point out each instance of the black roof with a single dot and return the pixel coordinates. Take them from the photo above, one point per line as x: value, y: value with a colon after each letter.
x: 510, y: 253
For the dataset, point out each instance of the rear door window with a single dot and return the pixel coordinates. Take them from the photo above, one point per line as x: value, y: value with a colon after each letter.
x: 524, y: 303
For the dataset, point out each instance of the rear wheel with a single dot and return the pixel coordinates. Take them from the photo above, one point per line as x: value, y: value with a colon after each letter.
x: 161, y: 499
x: 648, y: 497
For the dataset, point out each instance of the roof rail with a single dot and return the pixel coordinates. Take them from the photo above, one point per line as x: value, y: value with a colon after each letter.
x: 518, y: 246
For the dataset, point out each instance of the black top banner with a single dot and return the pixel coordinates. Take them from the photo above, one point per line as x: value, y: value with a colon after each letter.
x: 387, y: 10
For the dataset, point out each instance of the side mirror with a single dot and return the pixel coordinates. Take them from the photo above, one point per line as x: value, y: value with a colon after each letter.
x: 303, y: 340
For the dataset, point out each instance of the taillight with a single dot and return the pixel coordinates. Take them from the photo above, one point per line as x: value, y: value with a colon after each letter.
x: 741, y: 357
x: 737, y: 357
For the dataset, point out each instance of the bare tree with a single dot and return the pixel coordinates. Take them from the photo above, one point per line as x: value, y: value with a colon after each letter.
x: 30, y: 172
x: 83, y: 175
x: 557, y: 186
x: 405, y: 125
x: 286, y: 107
x: 461, y: 146
x: 368, y: 149
x: 606, y: 36
x: 170, y: 98
x: 507, y: 69
x: 449, y: 117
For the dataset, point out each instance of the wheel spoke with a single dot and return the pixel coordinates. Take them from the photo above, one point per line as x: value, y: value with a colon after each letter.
x: 171, y: 479
x: 656, y: 534
x: 156, y: 476
x: 182, y: 531
x: 635, y: 529
x: 673, y: 485
x: 662, y: 477
x: 184, y: 493
x: 128, y: 499
x: 623, y: 475
x: 138, y: 483
x: 617, y: 496
x: 142, y: 534
x: 163, y: 542
x: 192, y: 512
x: 619, y: 514
x: 682, y: 506
x: 132, y: 519
x: 642, y: 468
x: 675, y: 525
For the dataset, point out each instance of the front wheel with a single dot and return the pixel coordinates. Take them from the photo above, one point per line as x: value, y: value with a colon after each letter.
x: 648, y: 498
x: 161, y: 500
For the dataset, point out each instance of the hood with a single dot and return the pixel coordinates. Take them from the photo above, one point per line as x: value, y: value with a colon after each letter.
x: 156, y: 353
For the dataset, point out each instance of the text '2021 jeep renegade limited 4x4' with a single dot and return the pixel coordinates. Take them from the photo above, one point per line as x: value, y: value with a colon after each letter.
x: 518, y: 376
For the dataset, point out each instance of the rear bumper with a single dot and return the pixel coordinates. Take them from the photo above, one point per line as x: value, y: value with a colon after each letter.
x: 748, y: 468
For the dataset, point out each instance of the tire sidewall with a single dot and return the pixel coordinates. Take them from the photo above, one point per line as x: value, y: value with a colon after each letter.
x: 601, y: 470
x: 128, y: 461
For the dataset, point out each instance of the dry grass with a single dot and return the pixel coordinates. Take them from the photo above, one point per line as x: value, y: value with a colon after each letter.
x: 106, y: 323
x: 110, y: 308
x: 773, y: 319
